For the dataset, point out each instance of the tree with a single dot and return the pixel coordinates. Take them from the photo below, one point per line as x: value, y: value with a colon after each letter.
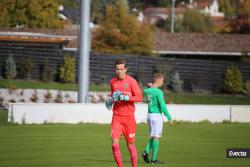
x: 226, y: 7
x: 72, y: 4
x: 176, y: 82
x: 178, y: 24
x: 67, y: 70
x: 158, y: 3
x: 233, y: 80
x: 30, y: 13
x: 97, y: 9
x: 24, y: 68
x: 194, y: 21
x: 243, y: 8
x: 142, y: 41
x: 242, y: 23
x: 119, y: 32
x: 139, y: 4
x: 107, y: 38
x: 10, y: 68
x: 47, y: 72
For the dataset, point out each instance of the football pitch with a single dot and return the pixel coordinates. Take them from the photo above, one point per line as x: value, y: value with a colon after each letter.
x: 88, y: 145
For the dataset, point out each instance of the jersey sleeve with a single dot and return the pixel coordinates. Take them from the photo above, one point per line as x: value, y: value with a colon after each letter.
x: 136, y: 92
x: 163, y: 105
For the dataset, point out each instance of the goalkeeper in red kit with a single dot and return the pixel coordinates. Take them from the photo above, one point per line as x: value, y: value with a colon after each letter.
x: 125, y: 91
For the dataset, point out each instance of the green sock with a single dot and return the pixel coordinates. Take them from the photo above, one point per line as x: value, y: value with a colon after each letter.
x: 149, y: 145
x: 155, y: 149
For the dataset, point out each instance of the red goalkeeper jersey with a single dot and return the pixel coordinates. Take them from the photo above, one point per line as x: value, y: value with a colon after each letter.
x: 127, y: 86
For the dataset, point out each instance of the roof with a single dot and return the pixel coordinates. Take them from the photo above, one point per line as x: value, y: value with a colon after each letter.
x: 155, y: 10
x: 72, y: 14
x: 31, y: 37
x: 180, y: 9
x: 167, y: 11
x: 213, y: 44
x: 201, y: 4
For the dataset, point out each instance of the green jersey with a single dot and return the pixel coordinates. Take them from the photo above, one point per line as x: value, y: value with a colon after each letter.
x: 156, y: 102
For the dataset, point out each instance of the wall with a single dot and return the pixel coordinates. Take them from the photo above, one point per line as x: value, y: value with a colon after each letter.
x: 97, y: 113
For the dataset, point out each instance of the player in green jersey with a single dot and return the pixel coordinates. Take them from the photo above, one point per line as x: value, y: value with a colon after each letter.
x: 156, y: 106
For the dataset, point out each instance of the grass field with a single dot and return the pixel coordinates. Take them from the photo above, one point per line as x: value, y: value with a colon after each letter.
x: 191, y: 98
x: 88, y: 145
x: 28, y: 84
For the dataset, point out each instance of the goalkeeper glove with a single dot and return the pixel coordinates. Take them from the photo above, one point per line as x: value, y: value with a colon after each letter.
x: 123, y: 97
x: 108, y: 103
x: 116, y: 95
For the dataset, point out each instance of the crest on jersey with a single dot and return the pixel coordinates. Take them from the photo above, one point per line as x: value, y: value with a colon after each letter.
x: 126, y: 85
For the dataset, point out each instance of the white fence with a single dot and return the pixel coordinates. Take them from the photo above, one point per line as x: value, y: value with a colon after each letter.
x: 97, y: 113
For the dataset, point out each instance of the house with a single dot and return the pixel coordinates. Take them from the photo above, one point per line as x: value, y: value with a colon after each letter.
x: 213, y: 10
x: 153, y: 14
x: 209, y: 7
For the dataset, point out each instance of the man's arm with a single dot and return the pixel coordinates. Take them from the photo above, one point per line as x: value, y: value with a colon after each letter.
x: 136, y: 92
x: 163, y: 106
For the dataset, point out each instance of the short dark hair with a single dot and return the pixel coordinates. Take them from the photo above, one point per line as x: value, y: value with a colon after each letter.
x: 121, y: 61
x: 157, y: 76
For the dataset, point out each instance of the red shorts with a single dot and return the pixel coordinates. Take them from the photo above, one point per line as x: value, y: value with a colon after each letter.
x: 123, y: 125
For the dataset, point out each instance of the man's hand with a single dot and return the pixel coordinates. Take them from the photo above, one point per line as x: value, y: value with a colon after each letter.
x: 116, y: 95
x: 150, y: 84
x: 123, y: 97
x: 170, y: 123
x: 109, y: 102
